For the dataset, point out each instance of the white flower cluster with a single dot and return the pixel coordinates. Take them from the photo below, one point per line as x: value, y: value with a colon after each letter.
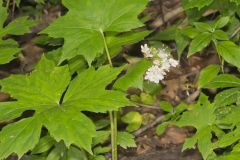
x: 162, y: 62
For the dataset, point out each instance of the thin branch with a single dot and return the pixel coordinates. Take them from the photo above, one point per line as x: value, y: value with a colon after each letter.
x: 153, y: 124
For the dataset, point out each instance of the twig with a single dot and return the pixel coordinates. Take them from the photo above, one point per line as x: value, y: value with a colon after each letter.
x: 191, y: 98
x: 235, y: 32
x: 144, y: 128
x: 148, y: 106
x: 168, y: 16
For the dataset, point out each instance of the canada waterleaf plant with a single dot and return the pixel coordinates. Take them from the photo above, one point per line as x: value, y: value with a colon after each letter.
x: 84, y: 30
x: 57, y: 102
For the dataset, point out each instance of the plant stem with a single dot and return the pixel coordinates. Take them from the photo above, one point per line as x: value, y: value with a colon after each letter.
x: 8, y: 3
x: 112, y: 114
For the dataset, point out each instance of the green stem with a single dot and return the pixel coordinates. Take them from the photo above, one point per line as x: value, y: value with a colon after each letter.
x: 113, y: 115
x: 8, y: 3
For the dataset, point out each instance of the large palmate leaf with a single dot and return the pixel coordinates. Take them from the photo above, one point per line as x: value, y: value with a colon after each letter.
x: 42, y: 91
x: 84, y: 25
x: 92, y: 94
x: 19, y: 26
x: 20, y: 137
x: 202, y: 117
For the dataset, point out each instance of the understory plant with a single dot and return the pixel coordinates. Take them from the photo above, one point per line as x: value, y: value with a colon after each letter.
x: 47, y: 111
x: 210, y: 26
x: 67, y: 107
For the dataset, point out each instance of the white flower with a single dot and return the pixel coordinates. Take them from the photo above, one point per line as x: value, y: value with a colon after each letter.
x: 162, y: 54
x: 165, y: 65
x: 155, y: 74
x: 147, y: 51
x: 162, y: 62
x: 157, y: 62
x: 173, y: 62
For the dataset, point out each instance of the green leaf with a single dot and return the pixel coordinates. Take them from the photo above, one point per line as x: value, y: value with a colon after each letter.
x: 42, y: 91
x: 151, y: 88
x: 220, y: 23
x: 125, y: 140
x: 19, y: 26
x: 99, y: 157
x: 161, y: 128
x: 58, y: 152
x: 8, y: 50
x: 236, y: 1
x: 227, y: 97
x: 236, y: 148
x: 190, y: 31
x: 208, y: 74
x: 203, y: 27
x: 181, y: 42
x: 204, y: 142
x: 223, y: 80
x: 134, y: 76
x: 134, y: 121
x: 231, y: 156
x: 76, y: 154
x: 45, y: 85
x: 199, y: 42
x: 220, y: 35
x: 92, y: 94
x: 115, y: 42
x: 202, y: 117
x: 43, y: 145
x: 147, y: 98
x: 229, y: 51
x: 232, y: 117
x: 83, y: 29
x: 189, y: 143
x: 197, y: 4
x: 228, y: 139
x: 37, y: 157
x: 10, y: 110
x: 20, y: 137
x: 80, y: 129
x: 167, y: 35
x: 166, y: 106
x: 101, y: 137
x: 3, y: 14
x: 100, y: 150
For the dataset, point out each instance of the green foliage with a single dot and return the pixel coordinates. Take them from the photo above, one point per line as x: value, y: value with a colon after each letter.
x: 44, y: 144
x: 47, y: 114
x: 207, y: 75
x: 126, y: 140
x: 188, y: 4
x: 9, y: 48
x: 134, y: 121
x: 46, y: 85
x: 202, y: 118
x: 229, y: 51
x: 172, y: 115
x: 84, y: 34
x: 134, y: 76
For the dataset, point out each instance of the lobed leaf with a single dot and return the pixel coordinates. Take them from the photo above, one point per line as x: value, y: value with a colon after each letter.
x: 42, y: 91
x: 83, y: 30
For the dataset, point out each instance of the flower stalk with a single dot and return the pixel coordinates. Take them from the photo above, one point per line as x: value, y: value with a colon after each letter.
x: 112, y: 114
